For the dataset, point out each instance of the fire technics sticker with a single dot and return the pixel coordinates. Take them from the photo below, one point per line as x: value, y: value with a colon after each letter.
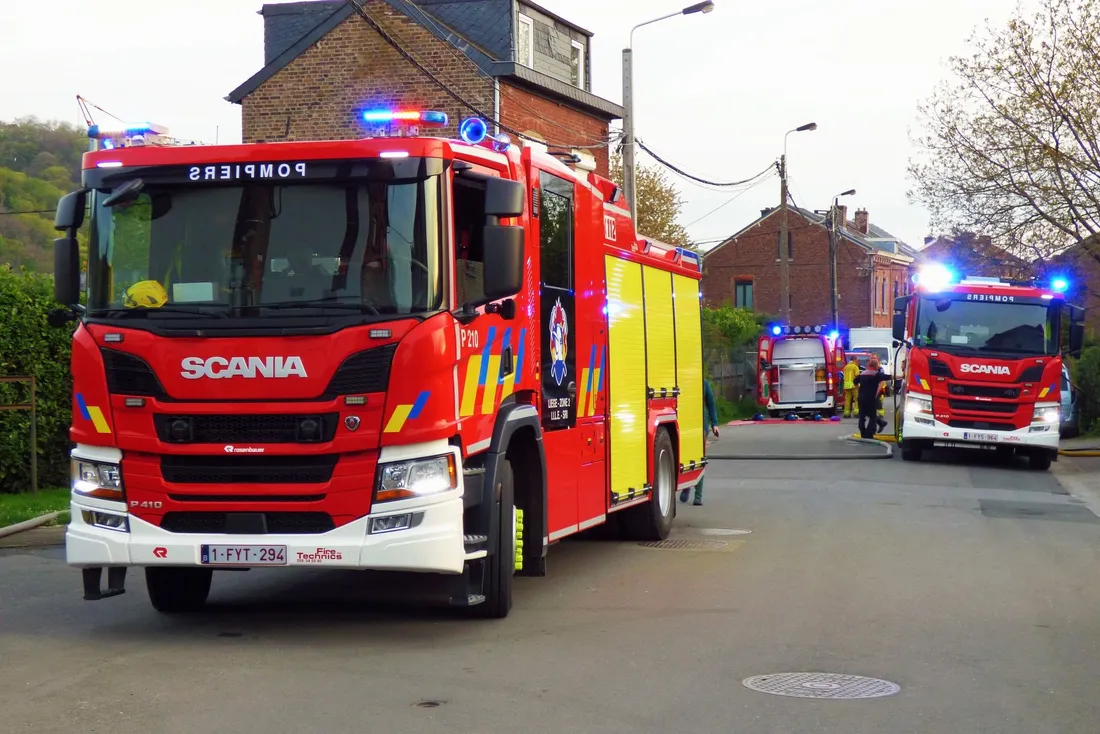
x: 321, y: 555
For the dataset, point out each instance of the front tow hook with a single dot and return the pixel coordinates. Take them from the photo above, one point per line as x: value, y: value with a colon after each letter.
x: 116, y: 582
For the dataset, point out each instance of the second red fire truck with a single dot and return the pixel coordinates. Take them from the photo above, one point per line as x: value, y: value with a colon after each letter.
x: 400, y: 353
x: 984, y: 368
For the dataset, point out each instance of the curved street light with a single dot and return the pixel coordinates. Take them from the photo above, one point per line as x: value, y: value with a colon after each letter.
x: 835, y: 296
x: 784, y: 234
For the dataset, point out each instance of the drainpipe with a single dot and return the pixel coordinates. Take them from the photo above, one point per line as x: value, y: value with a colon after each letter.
x: 496, y: 105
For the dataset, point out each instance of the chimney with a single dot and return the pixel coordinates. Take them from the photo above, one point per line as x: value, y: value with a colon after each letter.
x: 841, y: 216
x: 862, y: 221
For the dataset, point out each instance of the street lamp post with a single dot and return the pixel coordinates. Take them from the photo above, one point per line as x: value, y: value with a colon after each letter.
x: 784, y: 235
x: 833, y: 213
x: 628, y: 104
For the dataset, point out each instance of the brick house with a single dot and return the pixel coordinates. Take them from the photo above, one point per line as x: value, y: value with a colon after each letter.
x: 1081, y: 266
x: 510, y: 60
x: 873, y: 267
x: 971, y: 254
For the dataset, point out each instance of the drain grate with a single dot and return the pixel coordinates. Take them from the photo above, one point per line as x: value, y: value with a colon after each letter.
x: 1007, y: 509
x: 685, y: 544
x: 821, y: 685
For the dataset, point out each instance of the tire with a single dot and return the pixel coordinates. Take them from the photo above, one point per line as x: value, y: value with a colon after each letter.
x: 1039, y: 461
x: 178, y: 590
x: 653, y: 520
x: 909, y: 452
x: 501, y: 564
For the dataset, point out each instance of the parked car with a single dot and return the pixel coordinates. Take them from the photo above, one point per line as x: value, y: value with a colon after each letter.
x: 1068, y: 426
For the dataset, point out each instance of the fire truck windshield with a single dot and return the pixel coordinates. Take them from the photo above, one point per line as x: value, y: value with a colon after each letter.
x: 987, y: 327
x: 268, y: 248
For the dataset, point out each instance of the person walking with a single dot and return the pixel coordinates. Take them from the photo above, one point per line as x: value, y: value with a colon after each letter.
x: 710, y: 426
x: 868, y: 383
x: 850, y: 371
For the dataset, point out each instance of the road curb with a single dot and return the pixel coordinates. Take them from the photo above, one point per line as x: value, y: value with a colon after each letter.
x: 29, y: 524
x: 889, y: 454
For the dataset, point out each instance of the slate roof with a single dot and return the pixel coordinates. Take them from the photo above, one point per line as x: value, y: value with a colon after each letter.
x: 480, y: 29
x: 877, y: 239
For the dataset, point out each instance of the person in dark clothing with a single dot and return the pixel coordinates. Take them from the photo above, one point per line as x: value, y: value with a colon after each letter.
x: 868, y: 383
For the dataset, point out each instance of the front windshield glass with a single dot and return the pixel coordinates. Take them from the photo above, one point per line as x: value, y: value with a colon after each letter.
x: 361, y: 245
x: 986, y: 326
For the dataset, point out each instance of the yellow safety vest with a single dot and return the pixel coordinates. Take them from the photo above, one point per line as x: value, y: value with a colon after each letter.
x: 850, y: 371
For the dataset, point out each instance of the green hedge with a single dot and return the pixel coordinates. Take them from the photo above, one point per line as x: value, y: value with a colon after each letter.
x: 1086, y: 374
x: 30, y: 346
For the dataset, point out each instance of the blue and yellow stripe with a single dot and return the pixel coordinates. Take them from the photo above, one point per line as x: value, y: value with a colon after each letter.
x: 406, y: 412
x: 923, y: 382
x: 94, y: 414
x: 483, y: 374
x: 591, y: 377
x: 1046, y: 390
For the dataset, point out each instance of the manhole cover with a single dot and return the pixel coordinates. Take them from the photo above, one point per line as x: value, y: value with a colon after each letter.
x: 685, y: 544
x: 821, y: 685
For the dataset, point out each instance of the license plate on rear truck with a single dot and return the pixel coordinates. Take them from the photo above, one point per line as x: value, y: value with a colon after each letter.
x: 990, y: 437
x: 243, y: 555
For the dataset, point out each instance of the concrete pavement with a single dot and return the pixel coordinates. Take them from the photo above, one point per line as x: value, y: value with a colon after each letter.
x: 973, y: 586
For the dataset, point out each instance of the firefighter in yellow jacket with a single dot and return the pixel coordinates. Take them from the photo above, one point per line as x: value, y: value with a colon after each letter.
x: 850, y: 371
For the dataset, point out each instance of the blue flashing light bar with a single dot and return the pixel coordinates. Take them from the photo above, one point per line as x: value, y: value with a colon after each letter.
x: 427, y: 117
x: 934, y: 277
x: 1059, y: 285
x: 777, y: 330
x: 816, y: 330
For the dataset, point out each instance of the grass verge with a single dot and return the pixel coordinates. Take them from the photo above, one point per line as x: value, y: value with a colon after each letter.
x: 734, y: 410
x: 19, y: 507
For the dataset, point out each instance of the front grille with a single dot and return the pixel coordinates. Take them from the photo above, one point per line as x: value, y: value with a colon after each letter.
x: 130, y: 375
x: 938, y: 369
x: 247, y: 469
x: 273, y: 428
x: 246, y: 497
x: 275, y: 523
x: 982, y: 425
x: 984, y: 391
x: 973, y: 406
x: 363, y: 372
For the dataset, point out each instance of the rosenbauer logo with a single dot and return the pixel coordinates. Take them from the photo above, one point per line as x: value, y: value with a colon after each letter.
x: 218, y: 368
x: 986, y: 369
x: 243, y: 449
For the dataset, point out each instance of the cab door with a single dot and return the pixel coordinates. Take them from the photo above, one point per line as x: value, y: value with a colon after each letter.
x: 556, y: 212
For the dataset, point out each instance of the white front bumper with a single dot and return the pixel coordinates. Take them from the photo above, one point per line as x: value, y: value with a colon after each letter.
x: 937, y: 431
x: 434, y: 544
x: 828, y: 403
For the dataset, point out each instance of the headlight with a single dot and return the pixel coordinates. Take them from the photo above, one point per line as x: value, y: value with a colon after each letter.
x: 405, y: 479
x: 1046, y: 413
x: 95, y: 479
x: 918, y: 404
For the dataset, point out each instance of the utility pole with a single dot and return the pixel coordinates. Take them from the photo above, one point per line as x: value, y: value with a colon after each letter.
x: 784, y: 234
x: 629, y: 177
x: 833, y: 286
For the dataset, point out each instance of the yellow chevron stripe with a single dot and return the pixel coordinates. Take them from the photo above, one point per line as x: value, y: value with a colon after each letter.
x: 1042, y: 393
x: 98, y: 420
x: 397, y: 420
x: 489, y: 397
x: 508, y: 385
x: 582, y: 393
x: 469, y: 387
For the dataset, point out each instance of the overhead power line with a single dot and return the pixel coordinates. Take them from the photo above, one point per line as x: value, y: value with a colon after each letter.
x: 685, y: 174
x: 733, y: 198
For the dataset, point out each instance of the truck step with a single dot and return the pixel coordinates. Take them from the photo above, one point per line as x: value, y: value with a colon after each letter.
x: 475, y: 539
x: 475, y: 599
x: 473, y: 472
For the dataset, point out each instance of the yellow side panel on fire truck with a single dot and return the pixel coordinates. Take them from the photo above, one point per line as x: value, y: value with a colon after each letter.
x: 660, y: 333
x: 689, y: 368
x: 626, y: 377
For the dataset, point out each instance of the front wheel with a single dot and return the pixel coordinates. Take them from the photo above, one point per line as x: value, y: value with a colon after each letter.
x: 1039, y: 461
x: 174, y: 590
x: 910, y: 452
x: 653, y: 520
x: 500, y: 566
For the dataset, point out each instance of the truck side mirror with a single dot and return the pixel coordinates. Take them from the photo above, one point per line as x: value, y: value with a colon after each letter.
x: 1076, y: 330
x: 503, y: 198
x: 899, y: 326
x: 70, y: 211
x: 503, y: 260
x: 66, y: 270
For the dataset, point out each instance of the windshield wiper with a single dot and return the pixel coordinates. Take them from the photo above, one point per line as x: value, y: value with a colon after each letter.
x: 320, y: 303
x: 127, y: 312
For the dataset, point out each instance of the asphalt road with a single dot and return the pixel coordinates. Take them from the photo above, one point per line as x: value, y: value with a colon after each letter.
x: 975, y: 587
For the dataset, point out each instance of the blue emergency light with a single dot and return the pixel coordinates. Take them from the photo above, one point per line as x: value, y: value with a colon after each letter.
x: 1059, y: 285
x: 934, y: 277
x: 473, y: 130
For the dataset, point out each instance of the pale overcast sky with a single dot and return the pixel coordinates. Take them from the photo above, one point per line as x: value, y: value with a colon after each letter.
x: 715, y: 93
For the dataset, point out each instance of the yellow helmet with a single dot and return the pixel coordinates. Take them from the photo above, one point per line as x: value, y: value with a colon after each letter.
x: 145, y: 294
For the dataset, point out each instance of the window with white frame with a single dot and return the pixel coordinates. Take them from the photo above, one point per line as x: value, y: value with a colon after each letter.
x: 576, y: 59
x: 525, y: 44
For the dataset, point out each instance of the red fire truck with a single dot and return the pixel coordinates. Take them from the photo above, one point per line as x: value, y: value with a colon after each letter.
x: 401, y: 353
x: 799, y: 370
x: 985, y: 364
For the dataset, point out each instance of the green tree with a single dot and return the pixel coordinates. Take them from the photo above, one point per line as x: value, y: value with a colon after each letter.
x: 1011, y: 142
x: 659, y: 203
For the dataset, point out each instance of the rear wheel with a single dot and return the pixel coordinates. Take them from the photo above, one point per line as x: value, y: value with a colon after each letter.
x: 653, y: 520
x: 500, y: 566
x: 1039, y: 461
x: 175, y: 590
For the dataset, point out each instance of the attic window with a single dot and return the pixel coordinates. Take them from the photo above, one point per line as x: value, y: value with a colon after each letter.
x: 576, y: 63
x: 525, y: 48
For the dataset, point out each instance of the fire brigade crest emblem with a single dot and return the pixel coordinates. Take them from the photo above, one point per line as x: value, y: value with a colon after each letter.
x: 559, y: 340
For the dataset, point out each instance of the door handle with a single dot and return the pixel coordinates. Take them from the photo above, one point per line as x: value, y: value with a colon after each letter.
x: 572, y: 389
